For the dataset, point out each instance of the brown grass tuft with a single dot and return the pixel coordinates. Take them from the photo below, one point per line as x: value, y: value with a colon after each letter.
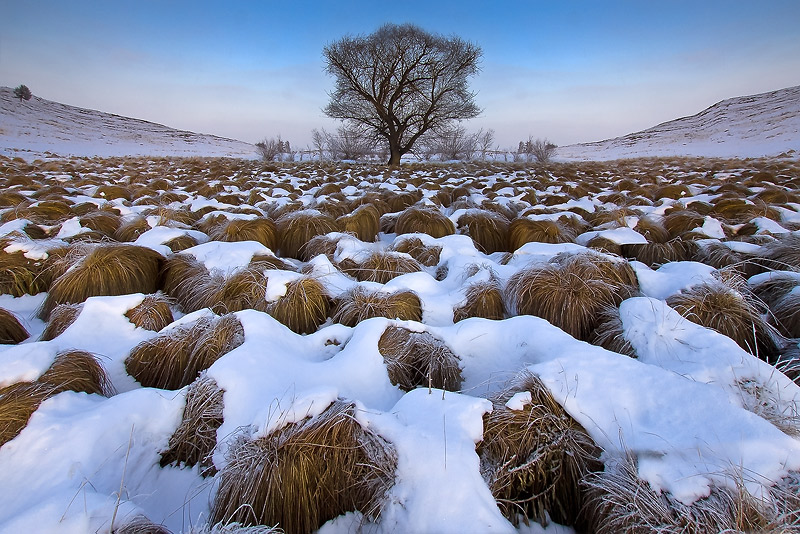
x: 609, y: 333
x: 11, y: 330
x: 177, y: 244
x: 242, y: 290
x: 17, y: 404
x: 262, y: 230
x: 681, y: 221
x: 482, y: 299
x: 307, y: 473
x: 304, y: 307
x: 487, y: 229
x: 424, y: 221
x: 786, y: 314
x: 297, y: 228
x: 523, y: 230
x: 418, y: 359
x: 153, y: 313
x: 77, y: 370
x: 784, y: 253
x: 173, y: 359
x: 655, y: 254
x: 729, y: 312
x: 360, y: 304
x: 194, y: 440
x: 364, y: 222
x: 414, y: 247
x: 61, y: 318
x: 112, y: 269
x: 571, y: 293
x: 104, y: 222
x: 20, y: 275
x: 384, y: 266
x: 188, y: 281
x: 534, y: 459
x: 130, y: 230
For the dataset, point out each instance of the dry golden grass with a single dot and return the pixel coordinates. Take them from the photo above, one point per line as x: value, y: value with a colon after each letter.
x: 775, y: 287
x: 114, y: 269
x: 783, y: 253
x: 418, y: 359
x: 487, y: 229
x: 242, y: 290
x: 360, y: 304
x: 603, y: 244
x: 571, y: 293
x: 194, y: 440
x: 424, y: 221
x: 482, y: 299
x: 17, y: 404
x: 414, y: 247
x: 656, y: 254
x: 103, y: 222
x: 61, y: 318
x: 138, y: 525
x: 262, y: 230
x: 720, y: 256
x: 609, y: 333
x: 153, y: 313
x: 11, y: 330
x: 298, y: 228
x: 188, y: 282
x: 130, y: 230
x: 111, y: 192
x: 364, y: 222
x: 304, y: 307
x: 523, y: 230
x: 729, y: 312
x: 786, y: 314
x: 382, y: 266
x: 177, y: 244
x: 621, y: 502
x: 681, y: 221
x: 173, y: 359
x: 535, y: 459
x: 305, y: 474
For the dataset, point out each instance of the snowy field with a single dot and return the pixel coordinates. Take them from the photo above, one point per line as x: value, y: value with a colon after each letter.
x: 222, y: 345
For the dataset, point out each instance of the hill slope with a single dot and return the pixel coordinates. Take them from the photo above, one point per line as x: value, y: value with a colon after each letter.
x: 34, y: 128
x: 767, y: 124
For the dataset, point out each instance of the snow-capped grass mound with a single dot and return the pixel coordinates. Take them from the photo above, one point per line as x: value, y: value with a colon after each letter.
x: 449, y: 309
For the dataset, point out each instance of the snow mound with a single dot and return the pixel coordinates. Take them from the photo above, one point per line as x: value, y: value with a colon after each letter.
x: 767, y: 124
x: 40, y: 128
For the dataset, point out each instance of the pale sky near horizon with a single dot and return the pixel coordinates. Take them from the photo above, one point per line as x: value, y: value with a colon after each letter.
x: 571, y: 71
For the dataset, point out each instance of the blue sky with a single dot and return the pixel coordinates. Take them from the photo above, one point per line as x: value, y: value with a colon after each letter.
x: 571, y: 71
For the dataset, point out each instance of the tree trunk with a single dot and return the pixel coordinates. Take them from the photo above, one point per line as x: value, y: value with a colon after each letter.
x: 394, y: 152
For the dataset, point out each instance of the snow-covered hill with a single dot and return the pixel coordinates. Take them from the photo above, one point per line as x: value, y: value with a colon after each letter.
x: 37, y: 127
x: 767, y: 124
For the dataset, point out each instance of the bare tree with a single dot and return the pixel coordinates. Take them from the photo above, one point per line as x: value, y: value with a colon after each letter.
x: 452, y: 144
x: 346, y: 144
x: 400, y: 82
x: 485, y: 141
x: 319, y: 142
x: 22, y: 92
x: 271, y: 149
x: 542, y: 150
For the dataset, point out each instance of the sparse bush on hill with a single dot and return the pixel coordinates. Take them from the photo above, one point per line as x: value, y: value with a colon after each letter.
x: 22, y: 92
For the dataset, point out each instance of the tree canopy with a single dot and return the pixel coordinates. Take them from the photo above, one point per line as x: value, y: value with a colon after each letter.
x: 401, y: 82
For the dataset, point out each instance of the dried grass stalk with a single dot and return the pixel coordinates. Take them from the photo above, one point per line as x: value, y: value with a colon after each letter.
x: 487, y: 229
x: 418, y: 359
x: 61, y: 318
x: 523, y: 230
x: 305, y: 474
x: 11, y: 330
x: 297, y: 228
x: 424, y: 221
x: 414, y: 247
x: 535, y: 458
x: 261, y: 229
x: 384, y: 266
x: 609, y: 333
x: 194, y: 440
x: 364, y: 222
x: 360, y: 304
x: 482, y: 299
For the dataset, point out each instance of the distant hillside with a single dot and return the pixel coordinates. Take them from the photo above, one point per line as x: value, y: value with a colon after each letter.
x: 40, y: 127
x: 766, y: 124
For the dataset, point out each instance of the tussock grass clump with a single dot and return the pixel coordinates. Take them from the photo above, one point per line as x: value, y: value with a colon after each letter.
x: 173, y: 359
x: 364, y: 222
x: 131, y: 230
x: 523, y: 230
x: 11, y: 330
x: 360, y: 304
x: 188, y: 281
x: 242, y: 290
x: 307, y: 473
x: 103, y: 222
x: 609, y: 333
x: 534, y: 458
x: 489, y: 230
x: 418, y: 359
x: 777, y: 285
x: 386, y: 265
x: 138, y: 525
x: 783, y: 253
x: 427, y: 255
x: 424, y: 221
x: 20, y: 275
x: 114, y: 269
x: 786, y: 314
x: 111, y: 192
x: 262, y: 230
x: 603, y: 244
x: 297, y: 228
x: 482, y: 299
x: 77, y: 370
x: 720, y: 256
x: 194, y: 440
x: 177, y: 244
x: 619, y: 501
x: 729, y: 312
x: 655, y: 254
x: 61, y: 318
x: 572, y: 293
x: 71, y: 371
x: 153, y: 313
x: 304, y: 307
x: 681, y: 221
